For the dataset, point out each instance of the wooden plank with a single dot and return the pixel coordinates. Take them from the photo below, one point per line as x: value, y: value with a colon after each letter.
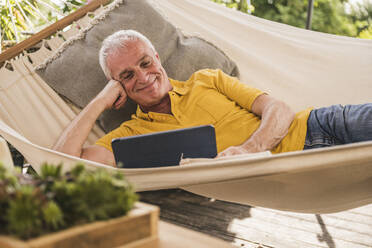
x: 316, y: 227
x: 122, y: 231
x: 336, y: 219
x: 48, y: 31
x: 8, y: 242
x: 310, y: 220
x: 223, y: 225
x: 171, y: 236
x: 149, y: 242
x: 339, y: 220
x: 356, y: 217
x: 365, y: 211
x: 243, y: 225
x: 232, y: 233
x: 314, y: 234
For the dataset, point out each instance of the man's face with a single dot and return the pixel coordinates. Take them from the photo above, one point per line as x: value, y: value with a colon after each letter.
x: 137, y: 67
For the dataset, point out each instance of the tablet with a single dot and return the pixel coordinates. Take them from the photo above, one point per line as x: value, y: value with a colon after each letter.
x: 165, y: 148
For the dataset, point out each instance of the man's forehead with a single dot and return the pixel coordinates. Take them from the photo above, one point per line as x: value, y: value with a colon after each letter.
x: 132, y: 50
x: 135, y: 46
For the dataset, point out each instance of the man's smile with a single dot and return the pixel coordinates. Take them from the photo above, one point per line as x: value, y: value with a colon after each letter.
x: 149, y: 85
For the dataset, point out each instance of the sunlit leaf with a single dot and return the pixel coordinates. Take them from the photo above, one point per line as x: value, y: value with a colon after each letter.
x: 38, y: 12
x: 20, y: 19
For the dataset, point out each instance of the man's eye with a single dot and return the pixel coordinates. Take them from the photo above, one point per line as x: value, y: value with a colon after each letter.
x: 146, y: 63
x: 128, y: 76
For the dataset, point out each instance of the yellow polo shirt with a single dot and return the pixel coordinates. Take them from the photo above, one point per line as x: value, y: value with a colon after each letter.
x: 210, y: 97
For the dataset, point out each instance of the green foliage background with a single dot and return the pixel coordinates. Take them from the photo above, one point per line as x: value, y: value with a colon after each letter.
x: 30, y: 16
x: 329, y: 16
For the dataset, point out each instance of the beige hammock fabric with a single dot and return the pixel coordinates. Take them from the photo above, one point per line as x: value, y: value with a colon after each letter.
x: 301, y: 67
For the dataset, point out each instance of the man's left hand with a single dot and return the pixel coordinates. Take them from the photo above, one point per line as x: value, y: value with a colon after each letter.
x: 236, y: 150
x: 250, y: 146
x: 232, y: 150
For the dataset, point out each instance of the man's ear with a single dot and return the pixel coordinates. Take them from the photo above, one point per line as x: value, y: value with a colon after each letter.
x: 157, y: 56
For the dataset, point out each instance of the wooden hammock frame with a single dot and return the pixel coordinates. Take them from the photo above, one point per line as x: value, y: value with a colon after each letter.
x: 50, y: 30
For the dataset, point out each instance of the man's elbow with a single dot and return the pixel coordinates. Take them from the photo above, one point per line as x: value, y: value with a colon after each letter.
x: 287, y: 111
x: 68, y: 151
x: 98, y: 154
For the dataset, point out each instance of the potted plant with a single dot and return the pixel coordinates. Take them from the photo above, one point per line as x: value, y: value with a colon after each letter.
x: 79, y: 208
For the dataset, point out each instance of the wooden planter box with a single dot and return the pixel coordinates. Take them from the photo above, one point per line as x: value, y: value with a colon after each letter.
x: 139, y: 228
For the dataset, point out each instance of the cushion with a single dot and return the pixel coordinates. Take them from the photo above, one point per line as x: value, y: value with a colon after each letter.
x: 74, y: 71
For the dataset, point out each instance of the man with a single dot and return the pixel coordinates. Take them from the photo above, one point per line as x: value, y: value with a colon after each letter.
x: 246, y: 120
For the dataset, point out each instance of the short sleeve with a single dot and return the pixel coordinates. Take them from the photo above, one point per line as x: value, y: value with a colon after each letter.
x: 122, y: 131
x: 241, y: 93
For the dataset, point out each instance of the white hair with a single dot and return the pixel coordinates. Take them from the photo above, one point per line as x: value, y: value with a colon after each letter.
x: 118, y: 40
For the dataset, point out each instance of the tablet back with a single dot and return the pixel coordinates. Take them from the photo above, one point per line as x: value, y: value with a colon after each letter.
x: 165, y: 148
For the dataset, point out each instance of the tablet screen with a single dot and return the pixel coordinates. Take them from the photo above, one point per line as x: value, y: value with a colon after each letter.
x: 165, y: 148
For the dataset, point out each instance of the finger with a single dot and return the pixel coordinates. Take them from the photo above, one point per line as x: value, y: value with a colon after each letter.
x: 121, y: 94
x: 221, y: 154
x: 232, y: 151
x: 113, y: 81
x: 237, y: 151
x: 120, y: 102
x: 119, y: 105
x: 122, y: 89
x: 225, y: 153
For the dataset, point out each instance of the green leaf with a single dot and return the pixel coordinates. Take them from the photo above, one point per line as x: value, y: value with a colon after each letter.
x: 23, y: 215
x: 53, y: 215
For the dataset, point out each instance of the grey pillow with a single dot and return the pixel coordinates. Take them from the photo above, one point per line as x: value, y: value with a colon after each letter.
x: 76, y: 74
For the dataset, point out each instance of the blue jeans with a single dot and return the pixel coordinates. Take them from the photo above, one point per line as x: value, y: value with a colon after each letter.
x: 339, y: 124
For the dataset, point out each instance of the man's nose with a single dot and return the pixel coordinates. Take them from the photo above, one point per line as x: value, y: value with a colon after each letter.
x: 142, y: 76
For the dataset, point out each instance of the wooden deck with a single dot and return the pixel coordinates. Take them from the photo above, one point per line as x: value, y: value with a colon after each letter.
x: 249, y: 227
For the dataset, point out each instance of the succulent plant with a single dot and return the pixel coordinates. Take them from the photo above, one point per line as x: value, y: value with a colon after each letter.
x: 39, y: 204
x: 23, y: 214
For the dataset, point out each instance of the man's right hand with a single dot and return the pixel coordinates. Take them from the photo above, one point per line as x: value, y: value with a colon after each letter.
x: 113, y: 95
x: 73, y: 137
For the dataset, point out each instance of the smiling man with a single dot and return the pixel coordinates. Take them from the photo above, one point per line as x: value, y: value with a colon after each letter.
x: 246, y: 119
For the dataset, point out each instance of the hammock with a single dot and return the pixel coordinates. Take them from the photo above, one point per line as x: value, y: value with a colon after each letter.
x: 301, y: 67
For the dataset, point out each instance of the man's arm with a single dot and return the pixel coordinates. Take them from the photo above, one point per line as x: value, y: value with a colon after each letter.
x: 276, y: 118
x: 74, y: 136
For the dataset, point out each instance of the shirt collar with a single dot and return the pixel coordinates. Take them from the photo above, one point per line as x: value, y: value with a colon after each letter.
x: 140, y: 114
x: 179, y: 87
